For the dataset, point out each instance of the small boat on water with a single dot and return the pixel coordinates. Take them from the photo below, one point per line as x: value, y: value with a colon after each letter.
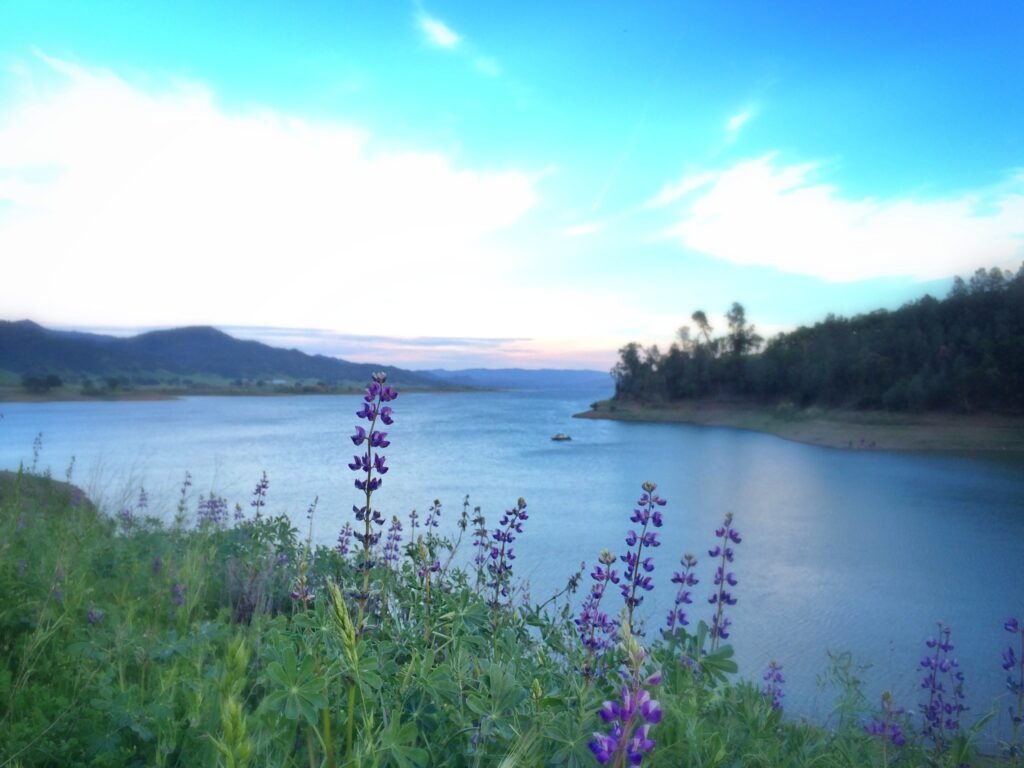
x: 561, y: 437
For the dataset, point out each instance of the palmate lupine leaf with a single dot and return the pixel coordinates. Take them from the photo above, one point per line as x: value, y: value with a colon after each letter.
x: 298, y: 692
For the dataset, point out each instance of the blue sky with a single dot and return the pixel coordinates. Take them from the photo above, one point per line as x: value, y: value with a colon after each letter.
x: 531, y: 184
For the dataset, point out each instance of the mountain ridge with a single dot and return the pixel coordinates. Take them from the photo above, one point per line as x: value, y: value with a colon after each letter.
x: 26, y: 347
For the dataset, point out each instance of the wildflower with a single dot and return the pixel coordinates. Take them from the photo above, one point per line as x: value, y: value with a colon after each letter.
x: 597, y: 631
x: 637, y: 566
x: 95, y: 615
x: 481, y: 544
x: 393, y: 542
x: 773, y: 682
x: 723, y: 578
x: 178, y: 594
x: 1015, y: 667
x: 259, y: 496
x: 433, y: 515
x: 630, y: 717
x: 685, y: 578
x: 887, y: 729
x: 945, y: 705
x: 372, y: 466
x: 502, y: 553
x: 344, y: 539
x: 212, y: 512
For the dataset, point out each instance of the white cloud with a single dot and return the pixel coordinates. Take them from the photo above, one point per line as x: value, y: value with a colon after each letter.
x: 127, y: 206
x: 737, y: 121
x: 582, y: 230
x: 439, y: 33
x: 670, y: 193
x: 762, y: 212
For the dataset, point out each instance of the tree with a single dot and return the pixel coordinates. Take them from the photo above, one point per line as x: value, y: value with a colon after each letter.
x: 742, y: 337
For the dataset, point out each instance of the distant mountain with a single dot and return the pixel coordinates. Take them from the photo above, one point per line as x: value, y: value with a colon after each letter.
x: 29, y: 348
x: 520, y: 378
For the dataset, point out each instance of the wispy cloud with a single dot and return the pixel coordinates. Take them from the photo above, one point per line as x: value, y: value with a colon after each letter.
x: 735, y: 124
x: 487, y: 66
x: 438, y: 33
x: 763, y: 212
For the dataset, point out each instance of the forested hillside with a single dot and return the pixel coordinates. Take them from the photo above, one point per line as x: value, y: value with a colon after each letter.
x: 962, y: 353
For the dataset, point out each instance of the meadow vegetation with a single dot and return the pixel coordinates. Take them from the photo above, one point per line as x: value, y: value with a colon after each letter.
x: 227, y: 637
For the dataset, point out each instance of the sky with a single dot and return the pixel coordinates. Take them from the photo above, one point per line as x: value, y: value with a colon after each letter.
x: 526, y: 184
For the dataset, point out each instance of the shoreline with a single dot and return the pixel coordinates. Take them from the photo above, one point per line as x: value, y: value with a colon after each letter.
x: 177, y: 394
x: 841, y: 429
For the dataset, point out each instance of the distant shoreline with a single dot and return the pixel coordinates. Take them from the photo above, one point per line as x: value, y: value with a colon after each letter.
x: 13, y: 395
x: 845, y: 429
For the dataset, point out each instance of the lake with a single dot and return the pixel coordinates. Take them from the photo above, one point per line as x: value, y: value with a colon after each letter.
x: 860, y: 551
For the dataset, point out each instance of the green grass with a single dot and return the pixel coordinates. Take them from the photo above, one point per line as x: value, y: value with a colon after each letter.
x: 128, y: 643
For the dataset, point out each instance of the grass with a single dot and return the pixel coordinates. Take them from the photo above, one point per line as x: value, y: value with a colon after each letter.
x: 836, y: 428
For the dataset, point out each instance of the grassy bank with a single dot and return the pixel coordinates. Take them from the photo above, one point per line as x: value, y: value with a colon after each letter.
x: 860, y: 430
x: 217, y: 642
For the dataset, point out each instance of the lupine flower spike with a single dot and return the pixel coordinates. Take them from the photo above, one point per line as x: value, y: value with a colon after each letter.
x: 371, y: 466
x: 638, y: 567
x: 502, y: 554
x: 631, y: 718
x: 344, y: 539
x: 723, y: 578
x: 481, y: 543
x: 887, y: 729
x: 259, y: 496
x: 945, y: 685
x: 597, y: 631
x: 685, y: 578
x: 773, y: 681
x: 393, y: 543
x: 1014, y: 668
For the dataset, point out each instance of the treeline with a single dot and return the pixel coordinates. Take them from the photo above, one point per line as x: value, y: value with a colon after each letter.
x: 962, y: 353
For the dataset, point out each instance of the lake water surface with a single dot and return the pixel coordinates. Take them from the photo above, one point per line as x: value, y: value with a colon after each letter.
x: 860, y: 551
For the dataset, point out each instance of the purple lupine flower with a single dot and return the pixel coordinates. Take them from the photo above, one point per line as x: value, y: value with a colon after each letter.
x: 95, y: 615
x: 773, y: 682
x: 433, y: 515
x: 481, y: 543
x: 646, y: 513
x: 631, y: 718
x: 1014, y: 666
x: 158, y: 565
x: 302, y: 593
x: 371, y: 465
x: 433, y: 566
x: 259, y: 496
x: 142, y: 504
x: 344, y: 539
x: 723, y: 578
x: 685, y: 578
x: 945, y: 704
x: 126, y: 517
x: 502, y: 554
x: 887, y: 729
x: 178, y: 594
x: 212, y: 512
x: 596, y: 629
x: 393, y: 543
